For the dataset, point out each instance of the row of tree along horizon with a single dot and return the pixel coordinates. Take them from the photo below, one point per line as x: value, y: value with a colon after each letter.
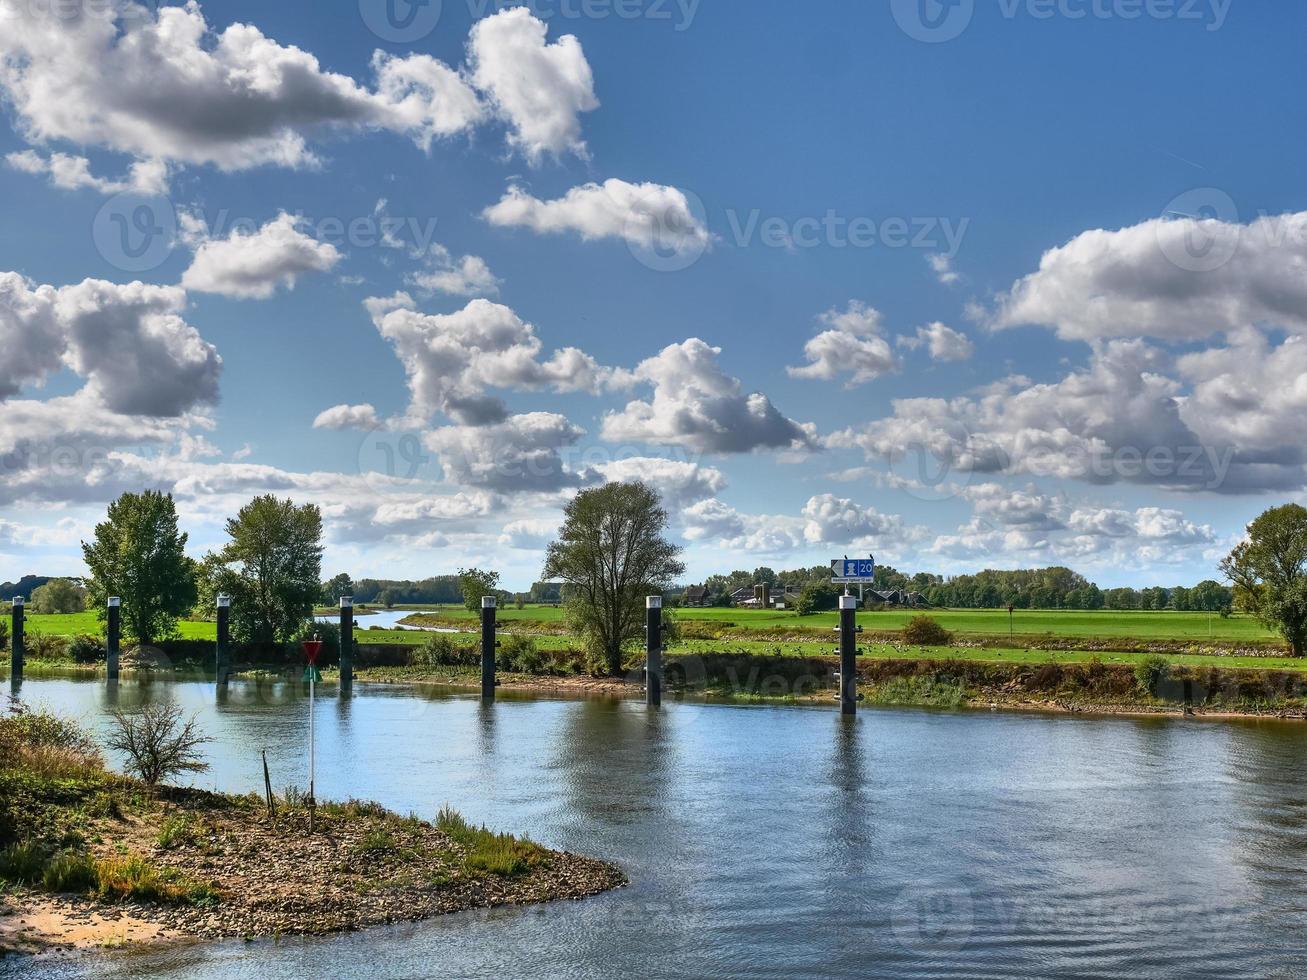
x: 611, y: 552
x: 1041, y: 588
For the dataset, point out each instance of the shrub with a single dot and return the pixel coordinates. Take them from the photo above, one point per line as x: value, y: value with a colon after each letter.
x: 4, y: 634
x: 87, y: 650
x: 70, y: 872
x: 485, y: 850
x: 49, y: 745
x: 1150, y: 672
x: 22, y: 863
x: 177, y: 831
x: 520, y: 654
x: 135, y: 879
x: 42, y: 646
x: 158, y: 744
x: 922, y: 631
x: 440, y: 650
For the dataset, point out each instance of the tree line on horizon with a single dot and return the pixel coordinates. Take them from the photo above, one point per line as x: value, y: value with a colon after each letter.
x: 1037, y: 588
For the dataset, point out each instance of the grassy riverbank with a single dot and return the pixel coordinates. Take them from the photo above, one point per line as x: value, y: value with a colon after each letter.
x: 88, y: 857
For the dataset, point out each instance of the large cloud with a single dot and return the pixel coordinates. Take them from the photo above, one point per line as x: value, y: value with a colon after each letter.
x: 643, y: 215
x: 539, y: 89
x: 1183, y: 278
x: 129, y: 342
x: 518, y: 455
x: 852, y: 344
x: 452, y: 358
x: 163, y: 85
x: 678, y: 483
x: 698, y: 405
x: 253, y: 266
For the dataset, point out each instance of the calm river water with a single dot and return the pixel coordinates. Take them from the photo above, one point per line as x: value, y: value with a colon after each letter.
x: 785, y: 842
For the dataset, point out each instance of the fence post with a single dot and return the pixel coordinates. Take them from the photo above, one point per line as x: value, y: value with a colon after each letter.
x: 346, y: 644
x: 488, y: 605
x: 223, y: 664
x: 653, y: 648
x: 17, y: 641
x: 113, y: 637
x: 848, y: 656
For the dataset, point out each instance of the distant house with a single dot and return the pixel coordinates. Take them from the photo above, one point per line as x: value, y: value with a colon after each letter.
x: 741, y: 597
x: 897, y: 597
x: 696, y: 595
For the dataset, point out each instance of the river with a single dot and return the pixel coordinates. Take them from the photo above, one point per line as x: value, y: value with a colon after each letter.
x: 787, y: 842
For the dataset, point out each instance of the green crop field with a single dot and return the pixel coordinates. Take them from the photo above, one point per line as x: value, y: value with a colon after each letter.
x: 88, y: 624
x: 1061, y: 622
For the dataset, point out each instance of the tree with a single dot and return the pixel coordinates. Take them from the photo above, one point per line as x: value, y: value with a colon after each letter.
x: 476, y: 583
x: 612, y: 554
x: 157, y: 743
x: 1269, y: 572
x: 340, y: 586
x: 139, y: 555
x: 271, y: 567
x: 59, y: 596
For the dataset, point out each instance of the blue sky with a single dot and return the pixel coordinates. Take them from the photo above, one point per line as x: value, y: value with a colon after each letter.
x: 783, y: 261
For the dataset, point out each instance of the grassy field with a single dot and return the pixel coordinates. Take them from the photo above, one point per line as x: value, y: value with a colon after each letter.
x: 741, y: 625
x: 1062, y: 623
x: 1105, y: 623
x: 88, y: 624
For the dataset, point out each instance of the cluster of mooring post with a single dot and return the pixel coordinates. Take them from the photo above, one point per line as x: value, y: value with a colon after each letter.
x: 346, y: 644
x: 848, y: 651
x: 488, y: 643
x: 653, y: 651
x: 222, y: 657
x: 17, y: 641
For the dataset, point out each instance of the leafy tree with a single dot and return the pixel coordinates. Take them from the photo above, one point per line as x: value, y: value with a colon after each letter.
x: 341, y: 585
x: 271, y: 567
x: 1269, y: 572
x: 816, y: 597
x: 475, y: 583
x: 139, y: 555
x: 59, y: 596
x: 612, y: 554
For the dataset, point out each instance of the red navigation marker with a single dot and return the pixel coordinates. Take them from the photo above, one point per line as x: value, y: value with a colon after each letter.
x: 312, y: 650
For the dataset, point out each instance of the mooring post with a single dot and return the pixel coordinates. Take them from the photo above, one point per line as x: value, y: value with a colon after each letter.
x: 848, y: 656
x: 17, y: 641
x: 223, y: 659
x: 488, y: 605
x: 653, y: 648
x: 113, y: 637
x: 346, y: 644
